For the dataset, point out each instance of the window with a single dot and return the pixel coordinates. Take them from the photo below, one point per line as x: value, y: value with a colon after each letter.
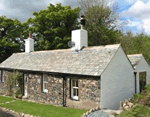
x: 74, y: 89
x: 45, y: 83
x: 1, y: 76
x: 142, y: 80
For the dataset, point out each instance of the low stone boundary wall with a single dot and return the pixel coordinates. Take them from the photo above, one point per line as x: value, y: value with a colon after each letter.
x: 127, y: 104
x: 91, y: 110
x: 10, y: 113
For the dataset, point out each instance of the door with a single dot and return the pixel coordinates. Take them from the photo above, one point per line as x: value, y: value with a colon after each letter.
x: 25, y: 85
x: 142, y: 80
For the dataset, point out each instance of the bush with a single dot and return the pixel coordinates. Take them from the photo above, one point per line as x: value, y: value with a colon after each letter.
x: 136, y: 97
x: 14, y: 83
x: 147, y: 88
x: 137, y: 111
x: 144, y: 97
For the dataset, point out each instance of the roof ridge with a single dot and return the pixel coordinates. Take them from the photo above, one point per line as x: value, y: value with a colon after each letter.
x: 135, y: 54
x: 69, y: 49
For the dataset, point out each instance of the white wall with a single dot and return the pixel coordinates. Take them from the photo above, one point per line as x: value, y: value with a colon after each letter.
x: 29, y: 45
x: 142, y: 66
x: 80, y: 37
x: 117, y: 81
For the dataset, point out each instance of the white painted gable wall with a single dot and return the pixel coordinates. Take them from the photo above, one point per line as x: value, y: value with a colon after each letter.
x: 117, y: 81
x: 142, y: 66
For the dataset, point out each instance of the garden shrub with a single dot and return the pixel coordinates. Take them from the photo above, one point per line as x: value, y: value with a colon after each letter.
x: 14, y: 83
x: 147, y: 88
x: 136, y: 97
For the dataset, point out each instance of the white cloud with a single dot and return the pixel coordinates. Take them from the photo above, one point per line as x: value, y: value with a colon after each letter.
x: 139, y: 10
x: 22, y: 9
x: 133, y: 23
x: 146, y: 25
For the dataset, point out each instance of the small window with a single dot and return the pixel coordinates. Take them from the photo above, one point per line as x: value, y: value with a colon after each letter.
x: 74, y: 89
x: 45, y: 83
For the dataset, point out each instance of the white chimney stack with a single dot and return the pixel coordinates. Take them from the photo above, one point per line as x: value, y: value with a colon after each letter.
x: 29, y: 44
x: 80, y: 37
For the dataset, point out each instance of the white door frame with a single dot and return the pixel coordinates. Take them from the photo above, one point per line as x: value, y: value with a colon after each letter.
x: 25, y: 85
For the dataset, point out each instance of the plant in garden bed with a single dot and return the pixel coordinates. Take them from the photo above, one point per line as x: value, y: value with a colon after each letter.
x: 137, y: 111
x: 14, y: 84
x: 142, y: 108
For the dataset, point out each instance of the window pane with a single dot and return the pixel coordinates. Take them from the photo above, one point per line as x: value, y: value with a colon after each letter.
x: 73, y: 83
x: 76, y: 83
x: 74, y: 92
x: 45, y: 85
x: 45, y: 78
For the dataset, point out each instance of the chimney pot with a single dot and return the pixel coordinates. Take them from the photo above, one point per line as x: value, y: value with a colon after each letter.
x: 30, y: 35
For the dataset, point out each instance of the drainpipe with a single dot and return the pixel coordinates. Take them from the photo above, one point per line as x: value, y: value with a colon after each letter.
x: 64, y: 91
x: 135, y: 80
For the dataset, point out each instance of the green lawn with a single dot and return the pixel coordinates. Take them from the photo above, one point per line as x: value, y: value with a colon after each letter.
x: 5, y: 99
x: 42, y: 110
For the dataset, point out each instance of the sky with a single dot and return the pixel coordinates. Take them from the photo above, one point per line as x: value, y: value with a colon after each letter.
x: 135, y: 12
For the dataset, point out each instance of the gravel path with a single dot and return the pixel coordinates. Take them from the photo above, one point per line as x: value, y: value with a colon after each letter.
x: 99, y: 113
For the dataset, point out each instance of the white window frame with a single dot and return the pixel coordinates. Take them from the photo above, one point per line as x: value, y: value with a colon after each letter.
x: 75, y: 97
x: 44, y: 82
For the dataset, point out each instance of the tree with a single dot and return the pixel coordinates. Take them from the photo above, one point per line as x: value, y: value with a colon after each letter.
x: 101, y: 21
x: 140, y: 43
x: 10, y: 33
x: 127, y: 42
x: 53, y: 26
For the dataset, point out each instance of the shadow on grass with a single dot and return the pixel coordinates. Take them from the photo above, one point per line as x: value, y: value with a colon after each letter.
x: 6, y: 114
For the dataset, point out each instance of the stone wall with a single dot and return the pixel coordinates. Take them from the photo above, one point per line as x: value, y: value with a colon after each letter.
x: 55, y: 89
x: 127, y: 104
x: 89, y: 94
x: 88, y: 89
x: 10, y: 113
x: 3, y: 89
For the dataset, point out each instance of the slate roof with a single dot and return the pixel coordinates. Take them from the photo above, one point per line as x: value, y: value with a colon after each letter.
x: 135, y: 58
x: 89, y: 61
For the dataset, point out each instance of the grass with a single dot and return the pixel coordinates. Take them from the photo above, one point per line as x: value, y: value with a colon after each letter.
x: 42, y: 110
x: 5, y: 99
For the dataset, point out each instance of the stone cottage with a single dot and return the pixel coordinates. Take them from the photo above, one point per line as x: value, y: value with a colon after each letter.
x: 80, y: 77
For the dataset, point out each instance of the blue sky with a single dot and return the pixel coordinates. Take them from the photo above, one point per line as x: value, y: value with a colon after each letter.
x: 136, y: 13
